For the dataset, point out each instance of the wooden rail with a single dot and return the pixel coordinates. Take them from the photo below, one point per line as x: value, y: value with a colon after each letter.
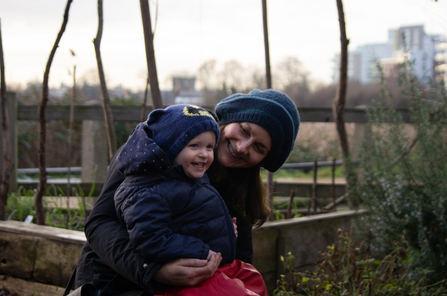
x: 133, y: 113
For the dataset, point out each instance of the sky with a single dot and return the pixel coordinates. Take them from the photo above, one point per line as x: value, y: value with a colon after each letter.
x: 188, y: 33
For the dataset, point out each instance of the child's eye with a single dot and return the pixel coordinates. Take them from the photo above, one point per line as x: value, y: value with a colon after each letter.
x: 193, y: 145
x: 210, y: 147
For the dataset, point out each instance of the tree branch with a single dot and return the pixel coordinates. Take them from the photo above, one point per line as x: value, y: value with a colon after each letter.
x: 40, y: 217
x: 6, y: 141
x: 105, y: 95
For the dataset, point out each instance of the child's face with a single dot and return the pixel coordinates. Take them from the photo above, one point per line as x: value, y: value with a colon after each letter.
x: 197, y: 155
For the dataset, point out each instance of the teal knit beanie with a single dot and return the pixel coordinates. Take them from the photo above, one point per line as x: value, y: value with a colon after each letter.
x: 270, y: 109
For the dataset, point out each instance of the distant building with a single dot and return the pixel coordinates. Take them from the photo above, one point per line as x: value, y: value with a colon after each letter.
x: 427, y: 52
x: 185, y: 92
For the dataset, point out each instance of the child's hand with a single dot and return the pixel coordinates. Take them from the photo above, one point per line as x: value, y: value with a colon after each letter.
x: 234, y: 224
x: 210, y: 254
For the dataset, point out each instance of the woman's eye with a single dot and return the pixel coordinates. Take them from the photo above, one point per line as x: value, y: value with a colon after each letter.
x: 243, y: 130
x: 260, y: 149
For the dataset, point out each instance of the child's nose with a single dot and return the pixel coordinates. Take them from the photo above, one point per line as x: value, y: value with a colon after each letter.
x: 203, y: 153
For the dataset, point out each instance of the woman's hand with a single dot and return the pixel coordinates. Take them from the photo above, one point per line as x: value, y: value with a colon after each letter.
x: 188, y: 272
x: 234, y: 224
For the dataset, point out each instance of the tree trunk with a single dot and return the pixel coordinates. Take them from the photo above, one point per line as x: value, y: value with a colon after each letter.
x: 268, y: 79
x: 143, y: 109
x: 150, y: 54
x: 268, y: 75
x: 6, y: 143
x: 105, y: 95
x: 339, y: 108
x: 70, y: 134
x: 40, y: 216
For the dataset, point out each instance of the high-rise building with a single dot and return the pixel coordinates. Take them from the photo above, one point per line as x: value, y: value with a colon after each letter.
x: 426, y: 51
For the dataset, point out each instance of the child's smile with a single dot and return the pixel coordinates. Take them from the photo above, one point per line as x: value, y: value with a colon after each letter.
x: 197, y: 155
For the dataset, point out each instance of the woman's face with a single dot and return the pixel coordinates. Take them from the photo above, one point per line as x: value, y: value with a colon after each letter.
x: 243, y: 145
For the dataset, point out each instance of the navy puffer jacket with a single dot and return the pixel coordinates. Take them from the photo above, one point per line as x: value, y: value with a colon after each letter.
x: 169, y: 215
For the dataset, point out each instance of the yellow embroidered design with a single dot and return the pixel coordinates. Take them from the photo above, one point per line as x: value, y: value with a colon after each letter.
x: 193, y: 110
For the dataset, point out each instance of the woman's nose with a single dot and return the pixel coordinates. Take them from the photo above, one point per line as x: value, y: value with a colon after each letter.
x: 242, y: 147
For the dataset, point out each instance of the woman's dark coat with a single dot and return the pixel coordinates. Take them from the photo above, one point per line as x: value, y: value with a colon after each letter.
x: 108, y: 250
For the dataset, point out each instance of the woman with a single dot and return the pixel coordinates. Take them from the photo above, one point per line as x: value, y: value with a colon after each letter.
x: 258, y: 130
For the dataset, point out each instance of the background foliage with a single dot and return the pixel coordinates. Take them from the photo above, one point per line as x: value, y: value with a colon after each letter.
x: 402, y: 177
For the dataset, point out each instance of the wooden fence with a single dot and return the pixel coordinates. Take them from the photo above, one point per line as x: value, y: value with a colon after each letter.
x: 94, y: 143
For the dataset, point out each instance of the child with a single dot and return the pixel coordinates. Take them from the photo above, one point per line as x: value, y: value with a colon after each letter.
x: 168, y: 205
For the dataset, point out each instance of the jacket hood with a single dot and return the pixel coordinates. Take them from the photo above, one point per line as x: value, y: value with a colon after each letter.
x: 141, y: 154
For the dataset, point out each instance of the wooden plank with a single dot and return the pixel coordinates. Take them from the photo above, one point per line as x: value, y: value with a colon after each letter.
x: 120, y: 113
x: 133, y: 113
x: 281, y: 188
x: 305, y: 189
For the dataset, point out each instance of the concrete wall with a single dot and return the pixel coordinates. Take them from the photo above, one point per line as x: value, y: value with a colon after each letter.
x: 48, y: 255
x: 304, y: 237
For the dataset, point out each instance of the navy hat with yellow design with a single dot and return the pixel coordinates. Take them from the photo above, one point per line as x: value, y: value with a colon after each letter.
x: 174, y: 127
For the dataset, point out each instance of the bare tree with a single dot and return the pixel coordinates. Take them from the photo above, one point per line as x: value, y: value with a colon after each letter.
x: 255, y: 77
x: 6, y: 143
x: 108, y: 116
x: 233, y: 75
x: 143, y: 109
x: 150, y: 54
x: 268, y: 74
x: 292, y: 78
x: 40, y: 217
x: 268, y: 79
x: 70, y: 133
x: 207, y: 75
x: 339, y: 107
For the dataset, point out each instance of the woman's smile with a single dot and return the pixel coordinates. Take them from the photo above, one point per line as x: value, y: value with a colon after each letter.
x: 230, y: 149
x: 243, y: 145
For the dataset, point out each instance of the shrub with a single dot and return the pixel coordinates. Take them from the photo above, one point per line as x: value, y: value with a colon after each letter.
x: 348, y: 269
x: 402, y: 177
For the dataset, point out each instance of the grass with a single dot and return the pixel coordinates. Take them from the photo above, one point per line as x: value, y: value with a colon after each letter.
x: 21, y: 204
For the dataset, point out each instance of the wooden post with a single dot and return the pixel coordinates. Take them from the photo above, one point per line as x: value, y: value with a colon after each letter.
x: 94, y: 156
x: 12, y: 125
x: 290, y: 206
x: 314, y: 189
x: 333, y: 185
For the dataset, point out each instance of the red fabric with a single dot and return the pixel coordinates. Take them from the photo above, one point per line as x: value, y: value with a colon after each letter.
x: 234, y: 279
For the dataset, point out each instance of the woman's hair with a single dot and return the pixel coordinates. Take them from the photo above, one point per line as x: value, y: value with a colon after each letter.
x: 242, y: 189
